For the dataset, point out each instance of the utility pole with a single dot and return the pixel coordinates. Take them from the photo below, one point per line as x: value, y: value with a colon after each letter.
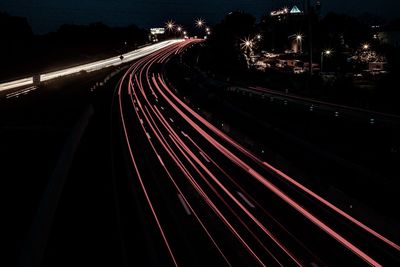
x: 310, y: 37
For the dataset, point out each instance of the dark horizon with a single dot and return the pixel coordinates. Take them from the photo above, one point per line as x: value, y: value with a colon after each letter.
x: 49, y: 15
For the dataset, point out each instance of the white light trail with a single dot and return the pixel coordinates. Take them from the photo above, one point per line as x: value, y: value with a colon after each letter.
x: 90, y: 67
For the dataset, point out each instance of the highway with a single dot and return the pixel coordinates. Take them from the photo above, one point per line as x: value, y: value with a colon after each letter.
x: 90, y: 67
x: 206, y: 200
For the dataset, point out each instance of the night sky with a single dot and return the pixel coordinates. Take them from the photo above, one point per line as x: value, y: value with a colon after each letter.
x: 47, y: 15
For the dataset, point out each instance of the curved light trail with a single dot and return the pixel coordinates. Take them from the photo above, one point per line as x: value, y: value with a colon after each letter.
x: 208, y: 170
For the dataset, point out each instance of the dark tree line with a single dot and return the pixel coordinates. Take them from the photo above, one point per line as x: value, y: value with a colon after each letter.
x: 22, y: 52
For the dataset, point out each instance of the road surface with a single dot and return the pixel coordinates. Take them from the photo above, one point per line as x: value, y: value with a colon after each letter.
x: 210, y: 201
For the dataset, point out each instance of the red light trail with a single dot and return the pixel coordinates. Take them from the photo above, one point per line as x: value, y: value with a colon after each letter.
x: 171, y: 128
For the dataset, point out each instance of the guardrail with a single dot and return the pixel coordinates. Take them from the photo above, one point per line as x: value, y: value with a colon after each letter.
x: 94, y: 66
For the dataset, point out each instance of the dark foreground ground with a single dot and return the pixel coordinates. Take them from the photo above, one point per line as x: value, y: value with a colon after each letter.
x: 58, y: 135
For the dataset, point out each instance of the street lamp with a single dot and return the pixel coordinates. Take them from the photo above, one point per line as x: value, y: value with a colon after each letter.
x: 246, y: 44
x: 200, y: 23
x: 170, y: 25
x: 258, y: 37
x: 179, y: 29
x: 365, y: 46
x: 327, y: 53
x: 299, y: 39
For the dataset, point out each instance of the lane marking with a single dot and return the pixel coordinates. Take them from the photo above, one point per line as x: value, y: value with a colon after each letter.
x: 185, y: 206
x: 21, y: 92
x: 246, y: 200
x: 204, y: 156
x: 160, y: 159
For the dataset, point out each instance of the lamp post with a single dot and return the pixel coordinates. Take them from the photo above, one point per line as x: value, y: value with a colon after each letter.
x: 299, y: 39
x: 247, y: 47
x: 326, y: 52
x: 299, y: 42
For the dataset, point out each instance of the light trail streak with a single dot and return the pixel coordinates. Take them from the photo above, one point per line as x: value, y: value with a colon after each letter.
x: 280, y: 173
x: 263, y: 180
x: 140, y: 178
x: 185, y: 149
x: 207, y: 199
x: 157, y: 133
x: 157, y: 123
x: 16, y: 84
x: 90, y: 67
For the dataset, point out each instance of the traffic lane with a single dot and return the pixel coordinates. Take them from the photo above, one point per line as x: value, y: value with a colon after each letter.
x: 146, y: 98
x: 217, y: 191
x: 197, y: 179
x: 188, y: 240
x: 141, y: 89
x: 196, y: 200
x: 270, y: 199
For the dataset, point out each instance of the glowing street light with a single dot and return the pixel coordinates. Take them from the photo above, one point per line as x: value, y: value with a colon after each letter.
x: 327, y: 53
x: 365, y: 46
x: 170, y: 25
x: 200, y: 23
x: 259, y: 37
x: 207, y: 29
x: 246, y: 44
x: 179, y: 29
x: 299, y: 39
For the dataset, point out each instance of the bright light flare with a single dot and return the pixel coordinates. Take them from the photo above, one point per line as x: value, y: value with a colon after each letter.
x: 246, y: 44
x: 170, y: 25
x: 365, y: 46
x: 200, y: 23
